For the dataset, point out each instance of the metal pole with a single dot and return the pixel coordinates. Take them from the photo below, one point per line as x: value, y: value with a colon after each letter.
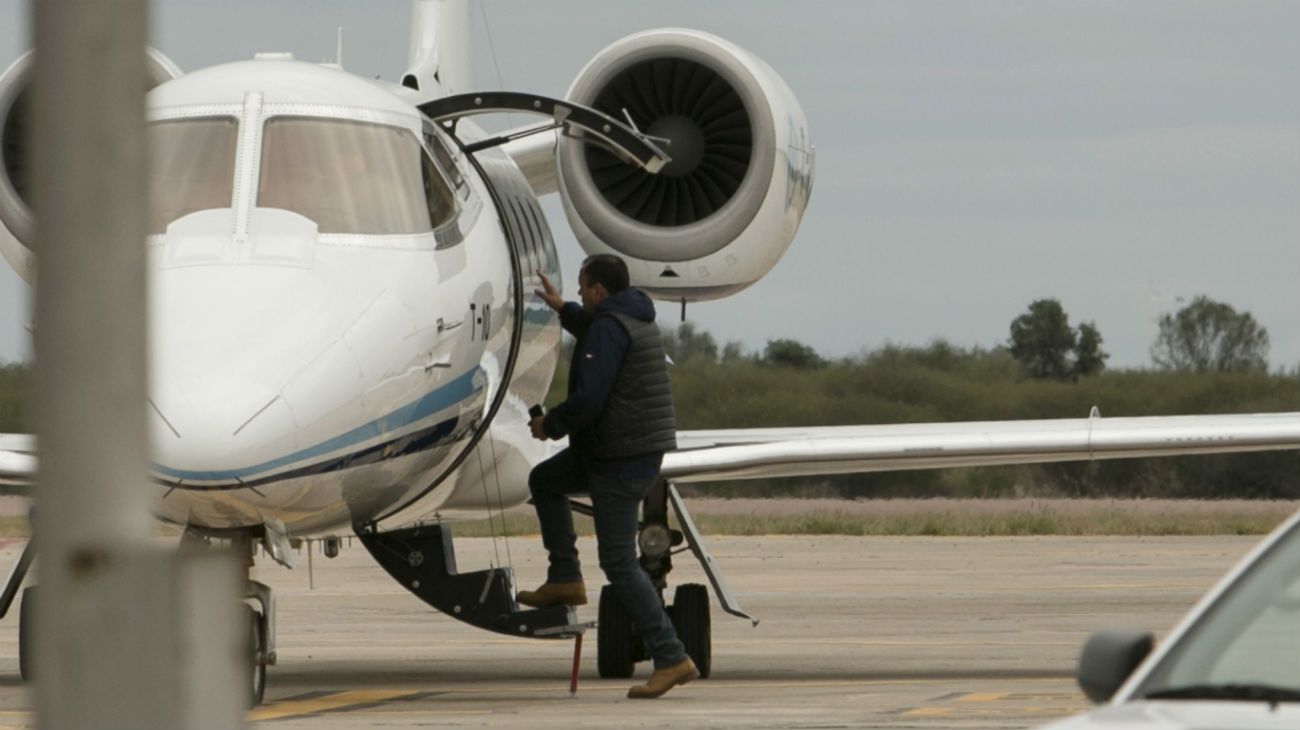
x: 90, y: 189
x: 90, y: 391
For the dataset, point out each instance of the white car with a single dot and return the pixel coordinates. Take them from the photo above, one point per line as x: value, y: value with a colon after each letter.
x: 1233, y: 662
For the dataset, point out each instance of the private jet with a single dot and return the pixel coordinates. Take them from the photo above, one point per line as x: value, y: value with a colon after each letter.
x: 344, y: 336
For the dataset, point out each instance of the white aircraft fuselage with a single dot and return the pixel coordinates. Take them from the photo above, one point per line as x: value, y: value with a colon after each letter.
x: 342, y: 326
x: 332, y: 307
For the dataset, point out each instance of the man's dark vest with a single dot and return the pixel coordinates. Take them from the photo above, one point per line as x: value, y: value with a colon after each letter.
x: 638, y: 417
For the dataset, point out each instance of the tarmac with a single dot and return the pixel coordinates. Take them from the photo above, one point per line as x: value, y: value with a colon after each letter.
x: 872, y: 632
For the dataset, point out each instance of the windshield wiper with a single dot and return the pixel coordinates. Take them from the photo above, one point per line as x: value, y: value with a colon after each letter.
x: 1240, y: 692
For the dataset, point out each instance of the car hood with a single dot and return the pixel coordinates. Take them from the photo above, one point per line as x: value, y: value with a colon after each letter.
x: 1186, y: 715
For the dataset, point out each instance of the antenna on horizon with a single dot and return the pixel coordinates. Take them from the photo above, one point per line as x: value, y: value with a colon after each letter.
x: 338, y: 51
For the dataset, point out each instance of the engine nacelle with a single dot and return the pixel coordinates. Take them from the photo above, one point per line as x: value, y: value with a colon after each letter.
x: 16, y: 225
x: 724, y: 210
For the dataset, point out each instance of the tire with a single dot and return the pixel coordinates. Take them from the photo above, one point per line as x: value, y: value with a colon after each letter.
x: 27, y: 634
x: 690, y: 616
x: 615, y: 638
x: 257, y: 648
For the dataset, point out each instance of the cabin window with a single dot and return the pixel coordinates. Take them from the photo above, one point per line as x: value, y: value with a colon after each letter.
x: 352, y: 177
x: 193, y: 168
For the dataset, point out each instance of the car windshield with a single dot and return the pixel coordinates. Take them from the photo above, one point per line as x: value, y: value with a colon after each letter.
x: 1247, y: 641
x: 193, y: 168
x: 352, y: 177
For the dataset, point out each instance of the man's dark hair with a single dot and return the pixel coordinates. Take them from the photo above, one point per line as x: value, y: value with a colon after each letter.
x: 608, y: 270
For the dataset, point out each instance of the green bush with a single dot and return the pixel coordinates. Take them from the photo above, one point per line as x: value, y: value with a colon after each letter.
x: 943, y: 383
x: 13, y: 390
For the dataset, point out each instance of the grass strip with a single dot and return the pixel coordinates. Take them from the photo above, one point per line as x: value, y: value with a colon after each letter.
x: 951, y: 517
x: 925, y: 517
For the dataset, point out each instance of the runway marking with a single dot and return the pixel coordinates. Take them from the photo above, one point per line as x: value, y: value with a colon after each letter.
x: 982, y: 697
x: 884, y: 642
x: 1044, y: 705
x: 929, y: 712
x: 332, y: 702
x: 1125, y: 586
x: 742, y: 642
x: 620, y: 688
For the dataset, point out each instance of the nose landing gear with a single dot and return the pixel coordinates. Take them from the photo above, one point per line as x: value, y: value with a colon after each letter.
x: 261, y: 631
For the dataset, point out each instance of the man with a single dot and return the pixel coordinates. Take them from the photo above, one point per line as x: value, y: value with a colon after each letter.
x: 619, y: 419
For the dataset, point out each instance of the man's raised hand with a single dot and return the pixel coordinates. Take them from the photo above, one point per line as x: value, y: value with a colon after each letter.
x: 548, y: 293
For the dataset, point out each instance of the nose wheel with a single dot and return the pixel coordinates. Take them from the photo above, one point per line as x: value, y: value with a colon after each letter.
x: 257, y: 657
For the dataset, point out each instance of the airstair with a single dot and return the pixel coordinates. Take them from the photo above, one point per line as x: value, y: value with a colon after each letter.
x: 424, y: 561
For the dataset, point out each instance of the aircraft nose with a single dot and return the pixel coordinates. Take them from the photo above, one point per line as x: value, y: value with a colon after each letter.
x: 218, y: 428
x: 231, y: 321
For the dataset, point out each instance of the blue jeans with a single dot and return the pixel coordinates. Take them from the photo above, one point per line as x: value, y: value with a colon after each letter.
x: 617, y: 490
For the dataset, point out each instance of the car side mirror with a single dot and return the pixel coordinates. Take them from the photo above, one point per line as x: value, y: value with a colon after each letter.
x: 1108, y: 658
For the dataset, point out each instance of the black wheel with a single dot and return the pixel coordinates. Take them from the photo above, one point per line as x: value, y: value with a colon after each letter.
x: 691, y: 619
x: 616, y: 638
x: 27, y: 633
x: 257, y: 656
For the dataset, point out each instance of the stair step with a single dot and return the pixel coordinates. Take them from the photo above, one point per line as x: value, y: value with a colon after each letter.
x: 423, y: 560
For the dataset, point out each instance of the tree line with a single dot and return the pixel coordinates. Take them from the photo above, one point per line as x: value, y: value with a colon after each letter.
x: 944, y: 383
x: 1204, y: 336
x: 1209, y: 359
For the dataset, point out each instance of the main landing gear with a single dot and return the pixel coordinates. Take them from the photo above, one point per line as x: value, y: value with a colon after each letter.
x: 619, y: 648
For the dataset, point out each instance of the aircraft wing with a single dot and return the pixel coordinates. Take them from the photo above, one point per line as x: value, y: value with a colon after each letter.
x: 17, y: 459
x: 782, y: 452
x: 714, y: 455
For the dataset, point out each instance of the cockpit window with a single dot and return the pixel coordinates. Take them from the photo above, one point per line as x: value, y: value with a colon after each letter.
x: 448, y: 163
x: 352, y: 177
x: 193, y: 168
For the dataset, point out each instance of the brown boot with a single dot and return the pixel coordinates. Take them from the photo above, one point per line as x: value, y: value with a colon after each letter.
x: 665, y: 679
x: 555, y: 594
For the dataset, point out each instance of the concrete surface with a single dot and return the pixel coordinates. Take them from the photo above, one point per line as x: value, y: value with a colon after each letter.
x: 855, y: 632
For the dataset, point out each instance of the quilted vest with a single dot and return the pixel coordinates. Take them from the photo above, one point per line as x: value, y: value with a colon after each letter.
x: 638, y: 417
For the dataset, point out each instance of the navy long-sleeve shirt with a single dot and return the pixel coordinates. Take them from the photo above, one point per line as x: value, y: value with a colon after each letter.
x: 598, y: 354
x: 602, y: 343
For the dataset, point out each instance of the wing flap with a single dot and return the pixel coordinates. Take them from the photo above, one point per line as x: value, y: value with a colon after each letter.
x: 758, y: 453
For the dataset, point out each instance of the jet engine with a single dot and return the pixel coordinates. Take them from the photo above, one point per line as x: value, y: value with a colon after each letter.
x: 718, y: 216
x: 15, y: 156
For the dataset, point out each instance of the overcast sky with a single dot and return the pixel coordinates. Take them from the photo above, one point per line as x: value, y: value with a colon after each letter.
x: 971, y: 156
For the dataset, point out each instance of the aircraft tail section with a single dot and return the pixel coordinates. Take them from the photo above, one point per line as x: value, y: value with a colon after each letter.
x: 439, y: 58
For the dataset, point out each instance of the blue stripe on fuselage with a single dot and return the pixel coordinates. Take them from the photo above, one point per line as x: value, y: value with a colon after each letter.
x: 458, y: 390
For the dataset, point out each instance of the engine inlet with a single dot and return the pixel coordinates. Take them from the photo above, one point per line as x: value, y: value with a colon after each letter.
x: 711, y: 141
